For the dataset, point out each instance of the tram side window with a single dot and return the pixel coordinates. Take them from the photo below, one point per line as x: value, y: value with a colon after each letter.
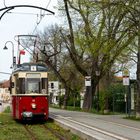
x: 16, y: 84
x: 44, y: 83
x: 22, y: 85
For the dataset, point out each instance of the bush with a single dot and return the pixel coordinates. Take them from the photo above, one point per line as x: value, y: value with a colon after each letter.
x: 74, y: 101
x: 117, y: 102
x: 114, y: 95
x: 7, y: 109
x: 103, y: 98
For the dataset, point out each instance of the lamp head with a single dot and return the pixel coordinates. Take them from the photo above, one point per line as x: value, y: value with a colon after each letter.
x: 5, y: 48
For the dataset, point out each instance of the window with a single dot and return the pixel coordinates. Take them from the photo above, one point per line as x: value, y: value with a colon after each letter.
x: 33, y: 85
x: 44, y: 83
x: 22, y: 85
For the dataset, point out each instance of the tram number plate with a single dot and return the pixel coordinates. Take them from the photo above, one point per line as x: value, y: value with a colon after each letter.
x: 33, y: 68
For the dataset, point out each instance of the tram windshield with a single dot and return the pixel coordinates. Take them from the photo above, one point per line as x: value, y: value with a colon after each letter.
x: 33, y: 86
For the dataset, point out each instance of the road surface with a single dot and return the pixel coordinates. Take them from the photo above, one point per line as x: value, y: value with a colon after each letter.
x: 98, y: 127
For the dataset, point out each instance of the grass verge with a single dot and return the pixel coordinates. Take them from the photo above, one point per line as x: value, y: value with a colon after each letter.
x: 12, y: 130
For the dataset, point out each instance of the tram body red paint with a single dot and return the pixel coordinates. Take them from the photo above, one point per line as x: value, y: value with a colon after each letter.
x: 38, y: 105
x: 29, y: 91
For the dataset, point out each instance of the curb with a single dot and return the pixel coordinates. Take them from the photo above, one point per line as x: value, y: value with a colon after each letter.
x: 74, y: 130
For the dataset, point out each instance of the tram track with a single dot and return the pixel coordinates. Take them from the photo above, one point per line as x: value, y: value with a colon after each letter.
x: 44, y: 128
x: 57, y: 135
x: 30, y: 133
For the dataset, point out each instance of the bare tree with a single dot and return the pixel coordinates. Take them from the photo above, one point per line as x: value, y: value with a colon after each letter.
x: 51, y: 50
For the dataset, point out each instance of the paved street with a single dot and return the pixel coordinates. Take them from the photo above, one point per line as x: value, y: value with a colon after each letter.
x: 113, y: 125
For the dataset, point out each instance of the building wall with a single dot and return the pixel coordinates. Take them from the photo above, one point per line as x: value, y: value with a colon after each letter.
x: 55, y: 91
x: 4, y: 95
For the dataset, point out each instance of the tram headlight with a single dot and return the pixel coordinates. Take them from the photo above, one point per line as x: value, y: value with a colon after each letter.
x: 27, y: 114
x: 33, y: 106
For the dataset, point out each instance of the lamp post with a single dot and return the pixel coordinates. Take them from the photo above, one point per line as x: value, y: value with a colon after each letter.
x: 97, y: 74
x: 13, y: 57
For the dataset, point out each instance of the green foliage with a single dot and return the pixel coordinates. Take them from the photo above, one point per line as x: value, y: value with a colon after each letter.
x: 117, y: 101
x: 74, y: 108
x: 115, y: 96
x: 61, y: 100
x: 11, y: 130
x: 73, y: 100
x: 134, y: 118
x: 104, y: 95
x: 94, y: 36
x: 7, y: 109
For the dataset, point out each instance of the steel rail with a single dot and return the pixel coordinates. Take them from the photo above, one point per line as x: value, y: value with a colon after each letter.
x: 58, y: 135
x: 30, y: 132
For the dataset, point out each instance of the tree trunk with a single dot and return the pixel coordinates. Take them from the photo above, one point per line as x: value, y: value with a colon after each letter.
x: 138, y: 91
x: 88, y: 98
x: 87, y: 102
x: 108, y: 82
x: 66, y: 97
x: 138, y: 82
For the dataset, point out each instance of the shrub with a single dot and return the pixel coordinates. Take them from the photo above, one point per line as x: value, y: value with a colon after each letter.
x: 7, y: 109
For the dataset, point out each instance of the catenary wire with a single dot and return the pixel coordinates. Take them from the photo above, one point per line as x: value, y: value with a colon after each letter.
x: 41, y: 17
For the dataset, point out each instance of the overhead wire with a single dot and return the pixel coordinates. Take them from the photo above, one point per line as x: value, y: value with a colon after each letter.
x: 23, y: 13
x: 4, y: 3
x: 38, y: 22
x: 41, y: 17
x: 38, y: 17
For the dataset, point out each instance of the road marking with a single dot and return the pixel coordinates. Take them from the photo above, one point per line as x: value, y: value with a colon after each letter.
x: 62, y: 116
x: 111, y: 122
x: 95, y: 129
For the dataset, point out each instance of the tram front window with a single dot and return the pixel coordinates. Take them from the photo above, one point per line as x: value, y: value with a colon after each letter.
x: 33, y: 86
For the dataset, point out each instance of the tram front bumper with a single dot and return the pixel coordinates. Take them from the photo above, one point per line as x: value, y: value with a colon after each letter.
x: 27, y: 114
x: 32, y: 116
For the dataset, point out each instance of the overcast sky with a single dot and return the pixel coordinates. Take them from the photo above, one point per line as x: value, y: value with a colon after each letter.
x: 13, y: 24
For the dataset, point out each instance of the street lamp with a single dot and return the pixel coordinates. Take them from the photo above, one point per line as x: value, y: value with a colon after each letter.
x: 13, y: 57
x: 97, y: 74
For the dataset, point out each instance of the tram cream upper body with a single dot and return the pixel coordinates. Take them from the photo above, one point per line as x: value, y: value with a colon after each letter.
x: 18, y: 75
x: 34, y: 75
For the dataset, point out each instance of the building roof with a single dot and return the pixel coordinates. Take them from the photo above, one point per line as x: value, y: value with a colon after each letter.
x: 5, y: 84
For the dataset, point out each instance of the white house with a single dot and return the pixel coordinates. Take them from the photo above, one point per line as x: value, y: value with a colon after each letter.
x: 55, y: 91
x: 5, y: 98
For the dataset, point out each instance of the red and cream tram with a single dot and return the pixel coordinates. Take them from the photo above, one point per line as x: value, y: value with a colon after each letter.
x: 29, y: 88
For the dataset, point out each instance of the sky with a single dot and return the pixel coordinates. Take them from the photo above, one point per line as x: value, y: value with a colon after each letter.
x: 20, y: 22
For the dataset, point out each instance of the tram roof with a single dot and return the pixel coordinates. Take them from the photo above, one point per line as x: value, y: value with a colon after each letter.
x: 30, y: 67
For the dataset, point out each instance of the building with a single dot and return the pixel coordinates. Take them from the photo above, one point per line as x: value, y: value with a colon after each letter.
x: 4, y: 91
x: 55, y: 91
